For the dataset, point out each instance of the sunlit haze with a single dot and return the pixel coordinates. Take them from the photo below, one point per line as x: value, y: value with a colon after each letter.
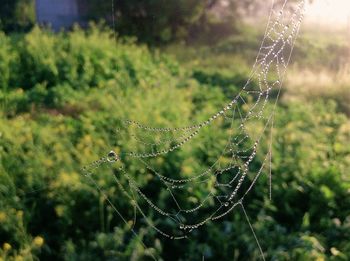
x: 329, y: 12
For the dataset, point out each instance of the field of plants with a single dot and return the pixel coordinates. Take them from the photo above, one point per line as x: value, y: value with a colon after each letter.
x: 63, y: 97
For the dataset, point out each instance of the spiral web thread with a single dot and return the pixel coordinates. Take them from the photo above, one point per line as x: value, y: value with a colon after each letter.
x: 247, y: 120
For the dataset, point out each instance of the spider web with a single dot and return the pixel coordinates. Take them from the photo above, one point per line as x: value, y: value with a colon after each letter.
x: 245, y: 137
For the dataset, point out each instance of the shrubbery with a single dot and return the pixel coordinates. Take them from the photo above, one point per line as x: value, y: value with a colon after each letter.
x: 63, y: 97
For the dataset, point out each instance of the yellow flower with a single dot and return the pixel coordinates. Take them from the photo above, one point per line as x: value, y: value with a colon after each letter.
x: 2, y: 216
x: 38, y: 241
x: 19, y: 213
x: 60, y: 210
x: 187, y: 170
x: 6, y: 246
x: 334, y: 251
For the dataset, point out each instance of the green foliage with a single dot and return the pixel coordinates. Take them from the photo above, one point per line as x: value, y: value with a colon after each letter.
x: 158, y: 21
x: 6, y: 58
x: 16, y: 15
x: 63, y: 97
x: 332, y: 52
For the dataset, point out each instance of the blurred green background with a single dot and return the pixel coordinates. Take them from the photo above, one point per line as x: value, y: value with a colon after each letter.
x: 63, y: 95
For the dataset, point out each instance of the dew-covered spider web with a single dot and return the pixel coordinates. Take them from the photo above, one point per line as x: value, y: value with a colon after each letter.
x: 244, y: 126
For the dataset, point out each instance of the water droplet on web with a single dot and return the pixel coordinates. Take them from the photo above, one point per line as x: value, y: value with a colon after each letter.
x: 112, y: 156
x: 182, y: 226
x: 226, y: 204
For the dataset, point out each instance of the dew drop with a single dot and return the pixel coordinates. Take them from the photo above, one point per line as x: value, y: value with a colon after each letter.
x: 112, y: 156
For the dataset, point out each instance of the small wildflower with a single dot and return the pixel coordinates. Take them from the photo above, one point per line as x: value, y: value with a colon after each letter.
x: 334, y: 251
x: 38, y: 241
x: 59, y: 210
x: 6, y: 246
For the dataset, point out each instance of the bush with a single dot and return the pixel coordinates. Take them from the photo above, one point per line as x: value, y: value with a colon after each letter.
x: 65, y: 99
